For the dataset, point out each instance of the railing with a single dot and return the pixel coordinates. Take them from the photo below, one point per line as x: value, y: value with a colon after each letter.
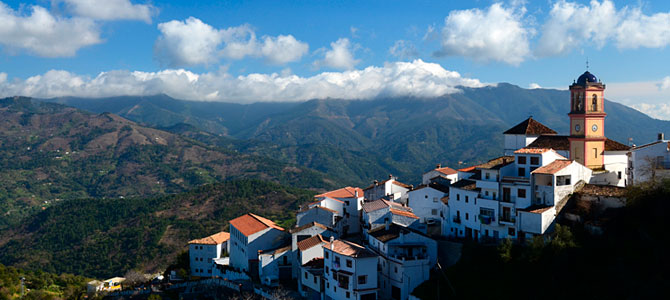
x: 484, y: 219
x: 508, y: 219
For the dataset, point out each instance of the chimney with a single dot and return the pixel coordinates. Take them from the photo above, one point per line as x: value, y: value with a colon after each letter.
x: 386, y: 224
x: 376, y: 182
x: 332, y: 239
x: 661, y: 136
x: 438, y: 166
x: 356, y: 193
x: 390, y: 176
x: 411, y: 187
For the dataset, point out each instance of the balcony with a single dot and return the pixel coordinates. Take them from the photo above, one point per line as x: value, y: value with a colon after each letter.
x: 486, y: 219
x: 457, y: 220
x: 507, y: 220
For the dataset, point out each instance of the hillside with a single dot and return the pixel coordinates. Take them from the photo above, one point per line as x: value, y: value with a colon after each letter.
x: 53, y: 152
x: 106, y: 237
x: 402, y: 136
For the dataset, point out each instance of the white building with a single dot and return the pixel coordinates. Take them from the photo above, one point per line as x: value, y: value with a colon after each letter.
x: 649, y: 161
x: 351, y: 200
x: 320, y: 214
x: 275, y: 265
x: 250, y: 233
x: 350, y: 271
x: 380, y: 212
x: 311, y: 283
x: 425, y: 201
x: 440, y: 175
x: 304, y: 232
x: 310, y: 256
x: 202, y: 251
x: 390, y: 189
x: 405, y: 259
x: 523, y: 134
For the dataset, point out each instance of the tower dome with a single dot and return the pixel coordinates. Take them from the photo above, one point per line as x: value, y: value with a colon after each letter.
x: 587, y: 77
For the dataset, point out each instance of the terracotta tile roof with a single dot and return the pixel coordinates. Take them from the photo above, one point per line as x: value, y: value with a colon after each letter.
x: 445, y: 200
x: 315, y: 263
x: 213, y: 239
x: 496, y: 163
x: 611, y: 145
x: 536, y: 209
x: 384, y: 235
x: 345, y: 192
x: 311, y: 242
x: 556, y: 142
x: 349, y: 249
x: 446, y: 171
x: 532, y: 150
x: 465, y: 184
x: 400, y: 184
x: 467, y: 169
x: 530, y: 127
x: 403, y: 213
x: 249, y: 224
x: 308, y: 225
x: 318, y: 207
x: 393, y: 181
x: 276, y: 251
x: 602, y: 190
x: 437, y: 186
x: 381, y: 204
x: 553, y: 167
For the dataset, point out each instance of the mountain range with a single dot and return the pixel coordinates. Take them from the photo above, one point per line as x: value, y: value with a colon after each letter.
x: 357, y: 141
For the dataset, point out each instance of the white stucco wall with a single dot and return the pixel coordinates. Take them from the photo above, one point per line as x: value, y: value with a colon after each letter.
x: 423, y: 201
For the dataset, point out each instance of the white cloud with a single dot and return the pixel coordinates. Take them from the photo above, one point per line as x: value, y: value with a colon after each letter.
x: 534, y: 85
x: 572, y: 26
x: 190, y: 42
x: 650, y: 97
x: 658, y: 111
x: 44, y: 34
x: 340, y: 56
x: 664, y: 84
x: 110, y: 9
x: 193, y: 42
x: 416, y: 78
x: 494, y: 34
x: 403, y: 49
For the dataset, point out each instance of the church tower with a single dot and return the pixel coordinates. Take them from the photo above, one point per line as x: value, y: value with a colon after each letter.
x: 587, y: 121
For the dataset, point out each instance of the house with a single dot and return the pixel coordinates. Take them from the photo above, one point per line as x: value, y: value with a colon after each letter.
x: 250, y: 233
x: 425, y: 201
x: 649, y: 162
x: 310, y: 255
x: 440, y: 175
x: 311, y: 285
x: 405, y: 258
x: 275, y: 265
x: 304, y: 232
x: 351, y: 200
x: 390, y: 189
x: 379, y: 212
x: 320, y: 214
x: 202, y: 251
x: 523, y: 134
x: 350, y: 271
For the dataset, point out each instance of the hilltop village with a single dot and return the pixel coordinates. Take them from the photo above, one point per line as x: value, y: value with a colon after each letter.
x: 383, y: 240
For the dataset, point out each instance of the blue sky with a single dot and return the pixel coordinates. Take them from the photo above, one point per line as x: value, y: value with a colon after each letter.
x: 246, y: 51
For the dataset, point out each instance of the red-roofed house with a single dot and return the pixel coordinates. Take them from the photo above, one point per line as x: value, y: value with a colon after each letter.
x: 348, y: 202
x: 350, y: 271
x: 249, y: 234
x: 202, y: 251
x: 440, y: 175
x: 381, y: 212
x: 390, y: 189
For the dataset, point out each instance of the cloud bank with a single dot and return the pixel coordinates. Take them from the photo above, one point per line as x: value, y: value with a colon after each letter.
x: 110, y: 9
x: 339, y: 56
x: 416, y: 78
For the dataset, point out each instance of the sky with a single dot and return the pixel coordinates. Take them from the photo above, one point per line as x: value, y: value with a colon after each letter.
x: 248, y: 51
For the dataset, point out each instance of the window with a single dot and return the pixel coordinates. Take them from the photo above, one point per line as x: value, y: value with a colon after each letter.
x: 488, y: 175
x: 347, y: 295
x: 522, y: 172
x: 458, y: 197
x: 619, y: 175
x: 327, y: 285
x: 511, y: 231
x: 433, y: 212
x: 426, y: 196
x: 325, y: 254
x: 466, y: 199
x: 337, y: 259
x: 522, y: 160
x: 563, y: 180
x: 363, y: 279
x: 305, y: 275
x: 395, y: 269
x: 209, y: 271
x: 594, y: 103
x: 521, y: 193
x: 327, y: 269
x: 334, y: 288
x: 434, y: 199
x: 595, y: 152
x: 486, y: 193
x: 349, y: 264
x: 467, y: 216
x: 534, y: 160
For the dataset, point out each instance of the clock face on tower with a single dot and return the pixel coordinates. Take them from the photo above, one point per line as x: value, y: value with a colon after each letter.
x: 594, y: 127
x: 577, y: 127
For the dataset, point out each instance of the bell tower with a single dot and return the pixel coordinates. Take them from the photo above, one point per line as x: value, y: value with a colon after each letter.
x: 587, y: 121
